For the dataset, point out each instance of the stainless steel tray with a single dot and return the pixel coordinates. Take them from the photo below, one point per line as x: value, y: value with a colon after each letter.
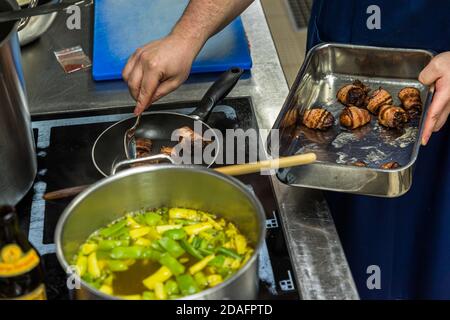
x: 327, y: 68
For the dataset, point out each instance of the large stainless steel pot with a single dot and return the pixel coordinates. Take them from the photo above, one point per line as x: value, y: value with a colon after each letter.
x: 165, y: 185
x: 34, y: 27
x: 17, y: 151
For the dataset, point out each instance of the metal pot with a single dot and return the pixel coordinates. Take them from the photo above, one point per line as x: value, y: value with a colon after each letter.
x: 165, y: 185
x: 34, y: 27
x: 17, y: 150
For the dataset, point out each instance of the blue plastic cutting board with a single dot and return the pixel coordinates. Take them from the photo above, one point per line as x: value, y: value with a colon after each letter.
x: 121, y: 26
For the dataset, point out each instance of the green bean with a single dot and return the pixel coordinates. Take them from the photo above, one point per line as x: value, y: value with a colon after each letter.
x: 109, y: 231
x: 148, y: 295
x: 187, y: 284
x: 175, y: 234
x: 184, y: 222
x: 228, y: 252
x: 133, y: 252
x: 139, y: 218
x: 191, y: 250
x: 204, y: 244
x: 111, y: 244
x: 171, y: 287
x: 122, y: 234
x: 225, y: 272
x: 117, y: 265
x: 171, y: 246
x: 156, y: 246
x: 151, y: 254
x: 201, y: 280
x: 218, y: 240
x: 205, y: 252
x: 170, y: 262
x: 125, y: 235
x: 103, y: 255
x: 196, y: 242
x: 217, y: 262
x: 152, y: 219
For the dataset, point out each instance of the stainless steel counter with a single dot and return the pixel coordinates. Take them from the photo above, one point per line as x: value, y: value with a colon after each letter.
x: 321, y: 269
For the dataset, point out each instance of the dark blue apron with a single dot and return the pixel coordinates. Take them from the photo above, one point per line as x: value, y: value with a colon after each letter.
x: 407, y: 237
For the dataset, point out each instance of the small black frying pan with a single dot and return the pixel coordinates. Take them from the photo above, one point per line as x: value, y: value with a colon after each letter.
x: 158, y: 126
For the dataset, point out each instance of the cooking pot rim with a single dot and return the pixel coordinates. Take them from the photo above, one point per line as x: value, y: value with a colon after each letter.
x: 140, y: 170
x: 13, y: 25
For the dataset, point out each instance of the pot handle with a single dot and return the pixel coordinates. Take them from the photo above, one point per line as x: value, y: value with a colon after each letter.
x: 127, y: 163
x: 24, y: 21
x: 218, y: 91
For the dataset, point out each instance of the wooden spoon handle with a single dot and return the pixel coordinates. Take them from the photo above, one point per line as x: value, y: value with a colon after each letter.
x: 64, y: 193
x: 254, y: 167
x: 233, y: 170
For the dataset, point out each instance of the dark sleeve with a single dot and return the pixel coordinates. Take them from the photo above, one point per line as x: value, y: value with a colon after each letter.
x: 313, y: 34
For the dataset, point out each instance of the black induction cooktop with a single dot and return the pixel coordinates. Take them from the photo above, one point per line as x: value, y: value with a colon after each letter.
x: 64, y: 143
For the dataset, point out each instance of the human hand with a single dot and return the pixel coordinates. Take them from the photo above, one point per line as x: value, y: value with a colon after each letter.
x: 437, y: 72
x: 157, y: 69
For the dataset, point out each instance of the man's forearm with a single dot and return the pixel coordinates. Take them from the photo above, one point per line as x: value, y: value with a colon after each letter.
x: 204, y: 18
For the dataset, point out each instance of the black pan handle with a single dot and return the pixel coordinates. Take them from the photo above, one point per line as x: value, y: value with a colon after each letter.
x: 217, y: 92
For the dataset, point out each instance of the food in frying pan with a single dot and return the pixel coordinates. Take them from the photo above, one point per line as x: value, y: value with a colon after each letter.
x: 377, y: 99
x: 143, y: 147
x: 411, y: 102
x: 188, y: 135
x: 162, y: 254
x: 354, y: 94
x: 359, y: 163
x: 392, y: 116
x: 390, y: 165
x: 318, y: 118
x: 166, y: 150
x: 353, y: 117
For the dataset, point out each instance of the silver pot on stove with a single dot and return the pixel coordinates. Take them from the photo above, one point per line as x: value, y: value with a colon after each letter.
x: 157, y: 186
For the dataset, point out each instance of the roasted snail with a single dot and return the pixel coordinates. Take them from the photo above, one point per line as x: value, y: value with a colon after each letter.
x: 143, y: 147
x: 359, y: 163
x: 377, y: 99
x: 187, y: 135
x: 318, y: 118
x: 392, y: 116
x: 390, y: 165
x: 166, y: 150
x: 353, y: 117
x: 411, y: 102
x: 354, y: 94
